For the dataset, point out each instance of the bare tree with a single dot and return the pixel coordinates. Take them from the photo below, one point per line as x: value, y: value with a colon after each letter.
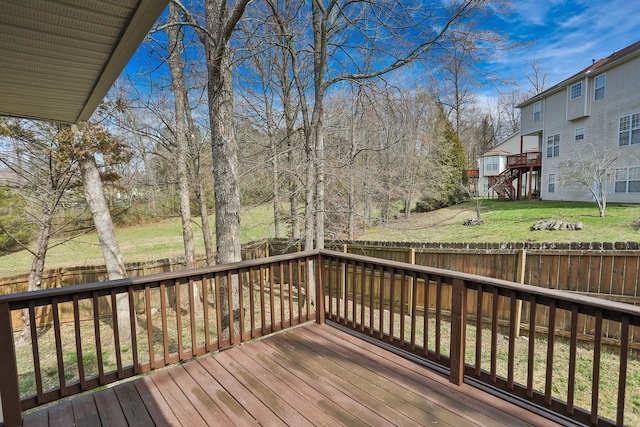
x: 333, y: 22
x: 590, y: 168
x: 537, y: 77
x: 45, y: 174
x: 83, y: 141
x: 176, y: 66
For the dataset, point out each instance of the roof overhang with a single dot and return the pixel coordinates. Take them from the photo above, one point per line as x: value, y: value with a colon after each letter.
x: 59, y: 58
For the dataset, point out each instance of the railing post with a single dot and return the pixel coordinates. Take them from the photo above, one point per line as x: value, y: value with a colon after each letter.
x: 9, y: 388
x: 458, y: 325
x: 319, y: 286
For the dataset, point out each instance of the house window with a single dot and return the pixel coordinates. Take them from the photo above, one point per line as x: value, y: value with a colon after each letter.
x: 553, y: 145
x: 576, y: 90
x: 629, y: 130
x: 537, y: 111
x: 578, y: 134
x: 491, y: 164
x: 601, y: 83
x: 627, y: 180
x: 551, y: 185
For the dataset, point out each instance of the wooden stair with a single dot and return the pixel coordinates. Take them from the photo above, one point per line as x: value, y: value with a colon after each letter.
x: 504, y: 187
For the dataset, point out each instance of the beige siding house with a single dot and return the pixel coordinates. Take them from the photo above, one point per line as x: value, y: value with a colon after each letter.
x: 492, y: 163
x: 597, y: 108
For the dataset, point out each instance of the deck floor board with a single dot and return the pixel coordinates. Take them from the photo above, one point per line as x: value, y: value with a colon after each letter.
x: 313, y: 375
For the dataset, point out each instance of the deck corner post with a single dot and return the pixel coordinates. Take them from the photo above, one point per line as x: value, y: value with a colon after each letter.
x: 319, y: 302
x: 458, y: 317
x: 9, y: 388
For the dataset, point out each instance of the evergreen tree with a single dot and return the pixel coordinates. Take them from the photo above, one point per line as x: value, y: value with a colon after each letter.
x: 447, y: 169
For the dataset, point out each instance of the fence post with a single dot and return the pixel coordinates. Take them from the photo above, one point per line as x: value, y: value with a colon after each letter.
x: 522, y: 260
x: 9, y: 388
x: 458, y: 326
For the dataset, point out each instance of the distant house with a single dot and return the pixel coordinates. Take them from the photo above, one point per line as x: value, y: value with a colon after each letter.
x: 503, y: 170
x: 598, y: 107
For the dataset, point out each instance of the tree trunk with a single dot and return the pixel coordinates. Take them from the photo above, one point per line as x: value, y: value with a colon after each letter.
x: 204, y: 217
x: 37, y: 269
x: 225, y: 154
x: 319, y: 68
x: 179, y: 95
x: 94, y: 195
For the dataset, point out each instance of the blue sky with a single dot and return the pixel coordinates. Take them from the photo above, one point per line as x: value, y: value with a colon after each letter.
x: 566, y: 35
x: 563, y: 36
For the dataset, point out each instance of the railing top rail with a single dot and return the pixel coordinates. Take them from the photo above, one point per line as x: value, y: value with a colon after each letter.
x: 558, y: 295
x: 20, y: 300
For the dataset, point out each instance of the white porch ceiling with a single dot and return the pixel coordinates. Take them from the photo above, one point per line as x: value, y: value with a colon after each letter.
x: 58, y: 58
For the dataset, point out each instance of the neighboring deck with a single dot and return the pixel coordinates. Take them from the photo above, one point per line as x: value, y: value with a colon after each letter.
x: 310, y: 375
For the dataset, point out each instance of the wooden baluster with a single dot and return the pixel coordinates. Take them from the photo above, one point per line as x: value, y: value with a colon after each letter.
x: 597, y: 353
x: 403, y: 301
x: 165, y: 326
x: 177, y: 286
x: 479, y: 311
x: 514, y: 330
x: 494, y: 335
x: 550, y: 344
x: 532, y: 345
x: 205, y: 313
x: 624, y: 358
x: 414, y: 305
x: 58, y: 340
x: 263, y: 313
x: 147, y: 302
x: 218, y: 310
x: 134, y: 332
x: 116, y: 332
x: 76, y: 321
x: 438, y: 317
x: 35, y: 350
x: 573, y: 347
x: 458, y: 329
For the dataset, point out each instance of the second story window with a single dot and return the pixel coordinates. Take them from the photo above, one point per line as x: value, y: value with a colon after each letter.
x: 537, y: 111
x: 600, y: 86
x: 579, y: 134
x: 491, y: 163
x: 576, y: 90
x: 553, y: 145
x: 629, y: 130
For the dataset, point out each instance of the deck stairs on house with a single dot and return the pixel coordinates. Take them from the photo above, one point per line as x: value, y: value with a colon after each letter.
x: 504, y: 187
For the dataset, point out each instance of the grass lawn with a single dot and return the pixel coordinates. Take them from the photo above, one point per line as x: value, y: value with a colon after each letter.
x: 511, y: 222
x: 140, y: 243
x: 505, y: 222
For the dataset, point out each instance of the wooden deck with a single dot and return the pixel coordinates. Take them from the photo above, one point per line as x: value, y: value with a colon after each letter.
x: 309, y: 375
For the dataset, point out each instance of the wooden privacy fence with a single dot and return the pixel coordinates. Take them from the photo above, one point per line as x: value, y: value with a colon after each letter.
x: 605, y: 270
x: 61, y: 277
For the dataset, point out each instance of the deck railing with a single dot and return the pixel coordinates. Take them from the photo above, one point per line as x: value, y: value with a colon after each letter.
x: 88, y: 341
x: 448, y: 318
x: 452, y: 320
x: 531, y: 158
